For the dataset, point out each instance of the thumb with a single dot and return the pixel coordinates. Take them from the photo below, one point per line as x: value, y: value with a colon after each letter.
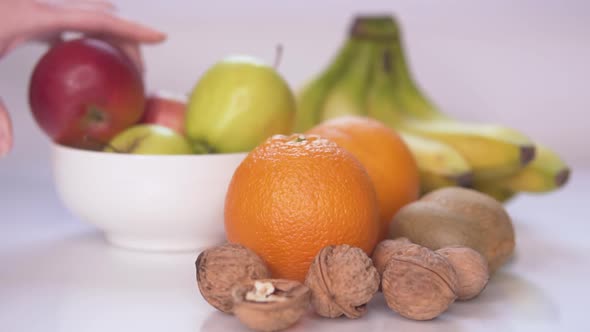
x: 5, y: 131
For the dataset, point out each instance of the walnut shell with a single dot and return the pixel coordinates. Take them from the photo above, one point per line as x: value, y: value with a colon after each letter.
x: 418, y: 283
x: 220, y: 268
x: 384, y: 250
x: 279, y: 308
x: 343, y: 280
x: 471, y: 268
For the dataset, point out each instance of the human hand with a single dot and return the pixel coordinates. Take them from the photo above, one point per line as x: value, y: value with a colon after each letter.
x: 5, y: 131
x: 22, y: 21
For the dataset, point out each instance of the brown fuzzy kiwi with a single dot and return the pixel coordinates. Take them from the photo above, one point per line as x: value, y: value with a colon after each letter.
x: 458, y: 216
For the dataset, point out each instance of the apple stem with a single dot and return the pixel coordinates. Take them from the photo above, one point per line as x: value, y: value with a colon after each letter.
x: 278, y: 56
x: 109, y: 145
x: 201, y: 147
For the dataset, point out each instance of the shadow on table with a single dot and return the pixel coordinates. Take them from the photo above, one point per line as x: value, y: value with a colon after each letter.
x: 508, y: 303
x: 539, y: 250
x: 508, y: 294
x: 378, y: 318
x: 81, y: 283
x: 85, y: 259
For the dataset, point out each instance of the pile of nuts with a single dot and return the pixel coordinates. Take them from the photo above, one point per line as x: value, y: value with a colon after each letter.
x: 420, y: 284
x: 416, y: 282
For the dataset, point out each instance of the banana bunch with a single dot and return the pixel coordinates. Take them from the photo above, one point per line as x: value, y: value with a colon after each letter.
x: 370, y: 77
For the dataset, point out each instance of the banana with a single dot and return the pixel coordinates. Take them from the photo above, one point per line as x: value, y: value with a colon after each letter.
x: 311, y: 98
x: 502, y: 195
x: 439, y: 164
x: 491, y: 150
x: 545, y: 173
x: 387, y: 29
x: 370, y: 76
x: 348, y: 95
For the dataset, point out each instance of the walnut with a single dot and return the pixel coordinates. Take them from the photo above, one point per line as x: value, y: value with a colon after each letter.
x: 418, y: 283
x: 221, y: 267
x: 472, y: 270
x: 343, y: 280
x: 384, y: 250
x: 270, y: 304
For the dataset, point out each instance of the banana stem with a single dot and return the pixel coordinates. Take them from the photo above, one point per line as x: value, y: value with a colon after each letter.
x: 385, y: 29
x: 386, y: 59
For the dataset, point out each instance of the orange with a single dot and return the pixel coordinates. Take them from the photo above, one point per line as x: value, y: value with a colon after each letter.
x: 384, y: 154
x: 293, y: 195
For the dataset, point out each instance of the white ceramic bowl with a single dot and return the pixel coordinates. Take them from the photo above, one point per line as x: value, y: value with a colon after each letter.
x: 147, y: 202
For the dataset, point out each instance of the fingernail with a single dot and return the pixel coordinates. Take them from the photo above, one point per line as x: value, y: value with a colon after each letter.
x: 158, y: 35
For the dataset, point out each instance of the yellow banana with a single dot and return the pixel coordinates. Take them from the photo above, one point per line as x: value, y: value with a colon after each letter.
x: 370, y: 76
x: 439, y: 164
x: 502, y: 195
x: 491, y: 150
x: 545, y: 173
x: 543, y: 170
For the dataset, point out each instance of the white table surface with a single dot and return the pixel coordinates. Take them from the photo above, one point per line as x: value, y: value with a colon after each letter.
x: 57, y: 274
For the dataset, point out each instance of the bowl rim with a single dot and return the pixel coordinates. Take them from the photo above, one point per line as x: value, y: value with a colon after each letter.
x: 69, y: 149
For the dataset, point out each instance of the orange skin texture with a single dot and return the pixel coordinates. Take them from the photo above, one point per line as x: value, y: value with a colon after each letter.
x: 387, y: 159
x: 293, y: 195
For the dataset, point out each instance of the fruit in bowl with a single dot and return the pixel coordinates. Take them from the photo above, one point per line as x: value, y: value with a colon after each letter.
x: 149, y: 139
x: 129, y: 167
x: 165, y: 108
x: 238, y: 103
x: 85, y: 91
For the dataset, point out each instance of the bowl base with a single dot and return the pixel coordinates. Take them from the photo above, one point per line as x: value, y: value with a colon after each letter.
x: 157, y: 245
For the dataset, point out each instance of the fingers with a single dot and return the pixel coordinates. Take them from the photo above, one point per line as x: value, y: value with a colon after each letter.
x: 95, y: 5
x: 131, y: 49
x: 133, y: 52
x: 5, y: 131
x: 106, y: 24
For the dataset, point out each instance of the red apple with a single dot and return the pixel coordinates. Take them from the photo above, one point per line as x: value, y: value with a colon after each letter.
x: 165, y: 108
x: 85, y: 91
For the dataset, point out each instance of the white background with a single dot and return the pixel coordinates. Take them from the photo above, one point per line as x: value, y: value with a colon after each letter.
x: 524, y: 64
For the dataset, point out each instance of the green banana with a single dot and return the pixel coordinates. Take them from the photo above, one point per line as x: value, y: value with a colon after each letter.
x: 385, y: 29
x: 348, y: 95
x: 311, y: 98
x: 545, y: 173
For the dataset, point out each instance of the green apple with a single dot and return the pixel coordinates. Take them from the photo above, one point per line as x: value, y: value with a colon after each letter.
x: 237, y: 104
x: 149, y: 139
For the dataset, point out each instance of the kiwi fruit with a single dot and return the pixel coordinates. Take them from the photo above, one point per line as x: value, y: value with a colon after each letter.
x: 458, y: 216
